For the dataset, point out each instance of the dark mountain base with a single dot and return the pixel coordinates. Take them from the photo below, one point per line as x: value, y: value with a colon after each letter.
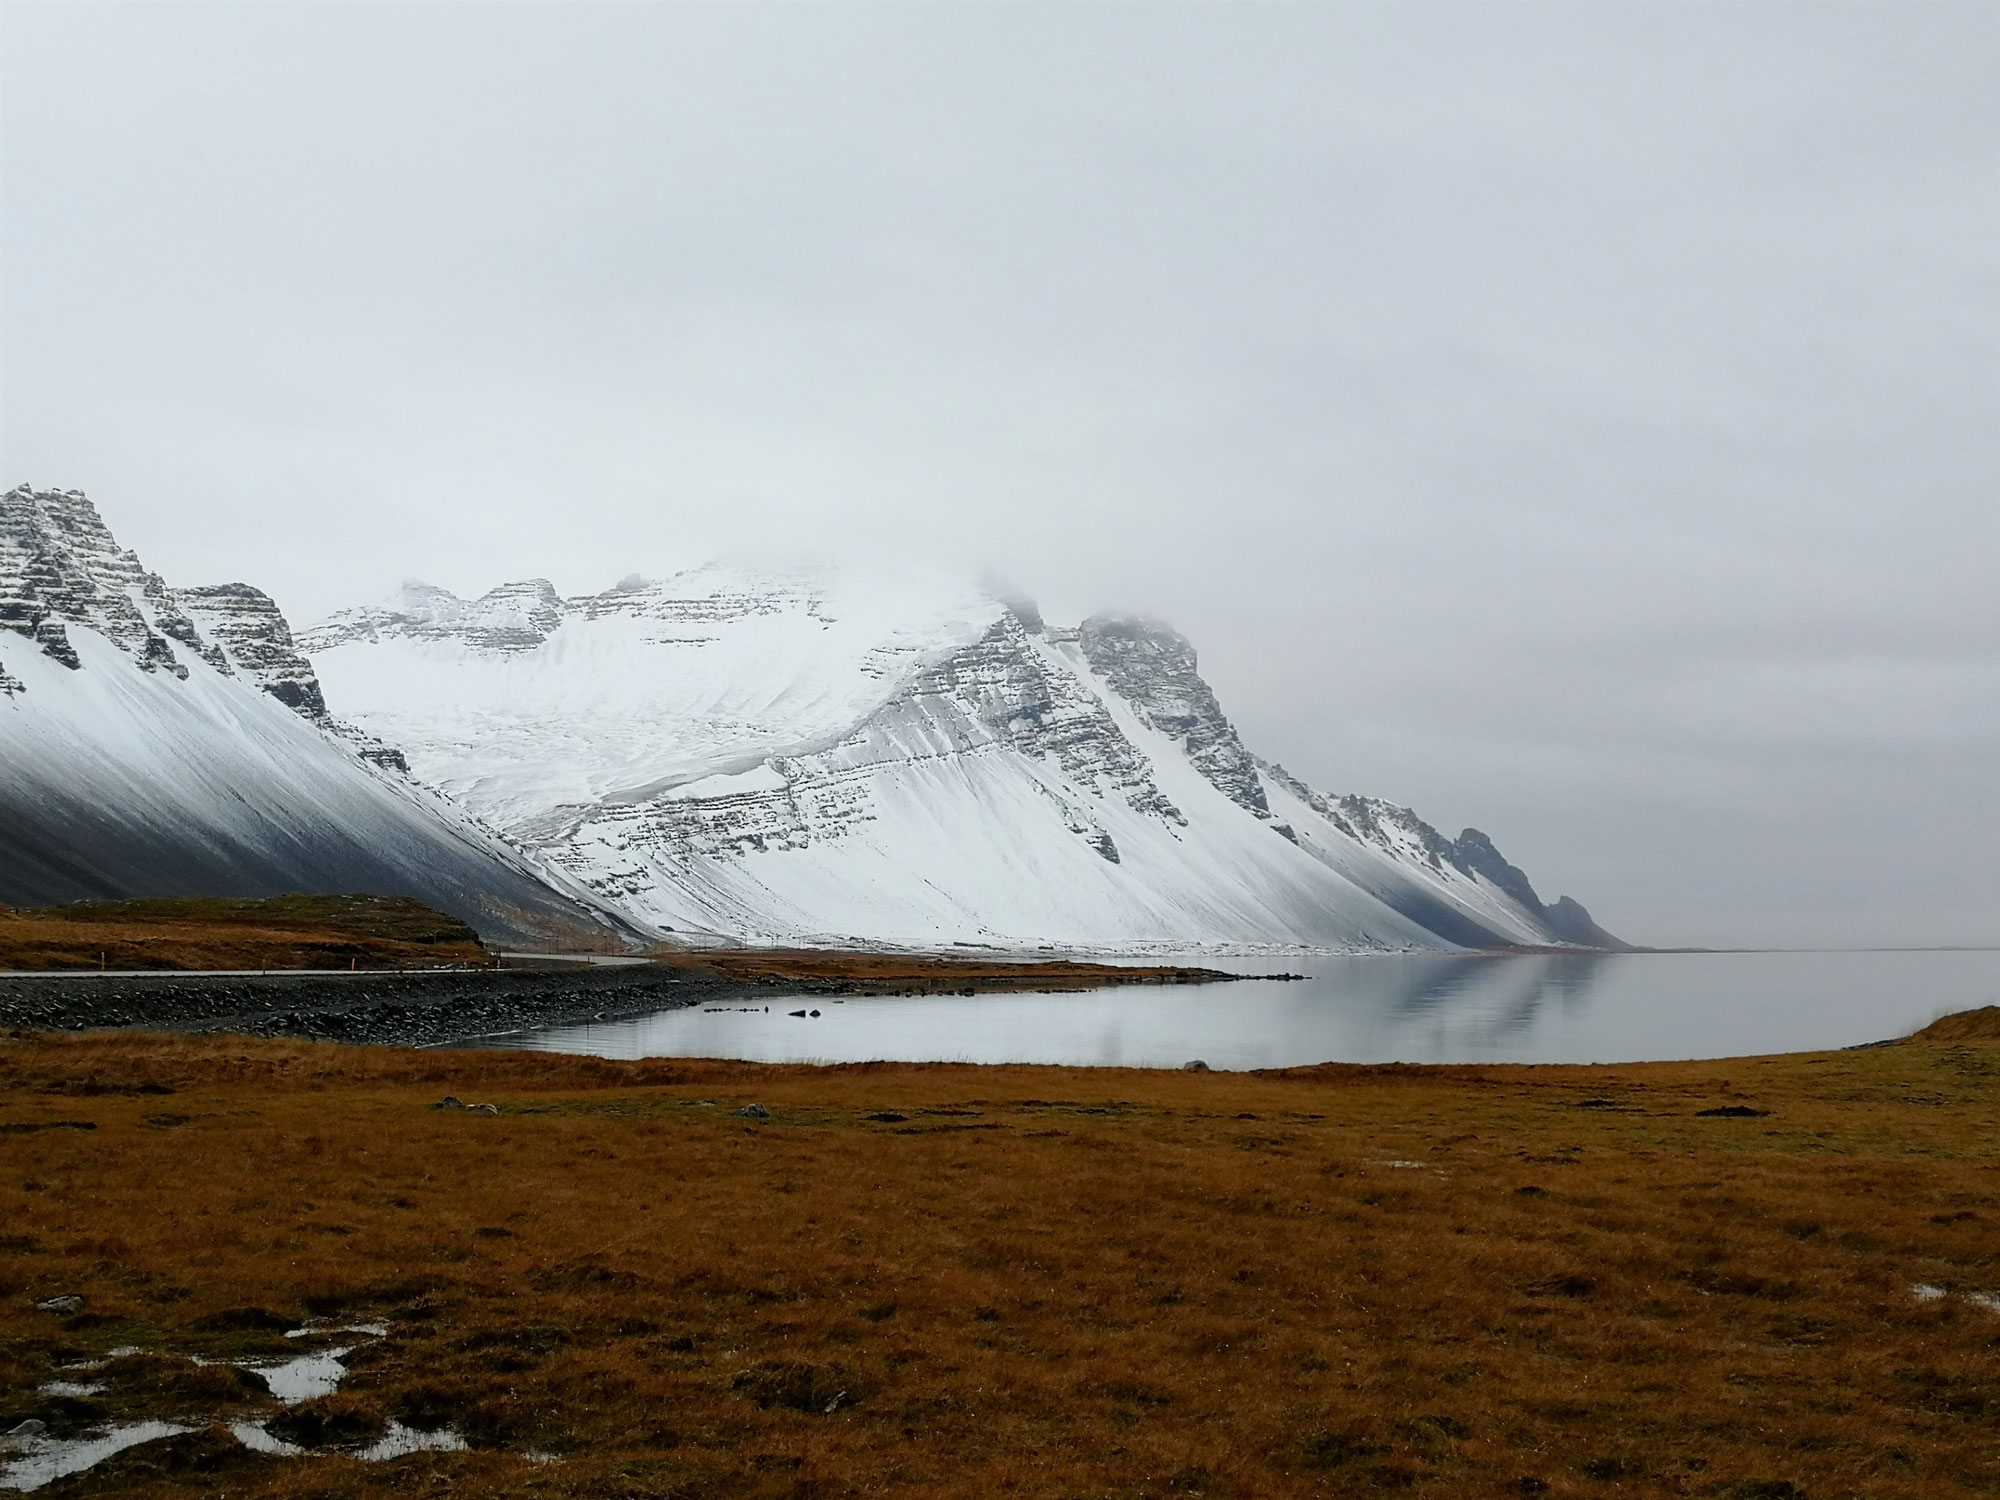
x: 60, y: 849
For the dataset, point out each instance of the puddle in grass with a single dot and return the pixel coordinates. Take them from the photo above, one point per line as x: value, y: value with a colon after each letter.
x: 37, y: 1458
x: 253, y: 1436
x: 397, y: 1441
x: 43, y: 1458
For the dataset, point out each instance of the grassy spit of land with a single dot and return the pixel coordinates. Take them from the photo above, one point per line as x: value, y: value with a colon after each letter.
x: 839, y: 972
x: 1753, y: 1278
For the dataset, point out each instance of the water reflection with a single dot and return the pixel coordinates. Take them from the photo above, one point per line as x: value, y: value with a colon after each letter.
x: 1416, y: 1008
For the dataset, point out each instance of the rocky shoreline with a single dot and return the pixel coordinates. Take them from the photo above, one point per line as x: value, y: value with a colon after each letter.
x: 377, y: 1009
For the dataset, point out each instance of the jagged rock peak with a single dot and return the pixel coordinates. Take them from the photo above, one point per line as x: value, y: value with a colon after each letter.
x: 1154, y: 668
x: 62, y: 569
x: 1567, y: 920
x: 60, y: 566
x: 1387, y: 825
x: 1473, y: 852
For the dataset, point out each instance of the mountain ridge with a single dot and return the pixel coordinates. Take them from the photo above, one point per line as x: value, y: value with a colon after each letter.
x: 882, y: 756
x: 1091, y: 737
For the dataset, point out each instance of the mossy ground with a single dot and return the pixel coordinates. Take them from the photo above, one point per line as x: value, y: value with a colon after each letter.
x: 952, y: 1281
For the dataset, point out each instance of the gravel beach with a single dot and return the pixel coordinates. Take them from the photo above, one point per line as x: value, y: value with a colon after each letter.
x: 409, y: 1009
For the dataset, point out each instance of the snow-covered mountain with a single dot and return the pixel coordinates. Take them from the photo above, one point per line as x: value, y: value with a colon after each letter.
x: 156, y: 741
x: 897, y: 758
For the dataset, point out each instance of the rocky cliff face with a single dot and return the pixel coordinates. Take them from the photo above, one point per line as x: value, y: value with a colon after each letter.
x: 1154, y: 668
x: 253, y: 640
x: 1023, y: 697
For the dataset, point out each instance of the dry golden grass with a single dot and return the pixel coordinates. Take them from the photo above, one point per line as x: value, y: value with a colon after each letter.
x: 954, y: 1281
x: 278, y: 932
x: 1982, y: 1025
x: 903, y: 973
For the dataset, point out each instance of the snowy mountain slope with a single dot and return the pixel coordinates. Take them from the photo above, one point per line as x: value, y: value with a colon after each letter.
x: 517, y: 703
x: 163, y: 743
x: 815, y: 757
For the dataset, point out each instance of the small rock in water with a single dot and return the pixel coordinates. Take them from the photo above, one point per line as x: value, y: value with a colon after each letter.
x: 67, y: 1303
x: 815, y: 1016
x: 795, y: 1013
x: 753, y: 1112
x: 33, y: 1427
x: 1197, y: 1066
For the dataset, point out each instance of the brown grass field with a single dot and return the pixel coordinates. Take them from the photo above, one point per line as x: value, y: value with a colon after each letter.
x: 961, y: 1281
x: 277, y: 932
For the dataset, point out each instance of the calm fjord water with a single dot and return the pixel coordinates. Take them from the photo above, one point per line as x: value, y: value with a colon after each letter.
x: 1412, y: 1008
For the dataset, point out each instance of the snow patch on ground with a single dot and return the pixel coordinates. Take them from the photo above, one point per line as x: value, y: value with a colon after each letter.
x: 308, y: 1376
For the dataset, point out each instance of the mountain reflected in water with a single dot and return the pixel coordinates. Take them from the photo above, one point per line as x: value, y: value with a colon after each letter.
x: 1405, y: 1008
x: 1483, y: 997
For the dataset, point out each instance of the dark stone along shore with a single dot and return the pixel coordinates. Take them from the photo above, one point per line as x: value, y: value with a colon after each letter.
x: 382, y: 1008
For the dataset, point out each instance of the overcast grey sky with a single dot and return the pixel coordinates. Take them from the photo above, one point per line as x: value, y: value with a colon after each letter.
x: 1580, y: 421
